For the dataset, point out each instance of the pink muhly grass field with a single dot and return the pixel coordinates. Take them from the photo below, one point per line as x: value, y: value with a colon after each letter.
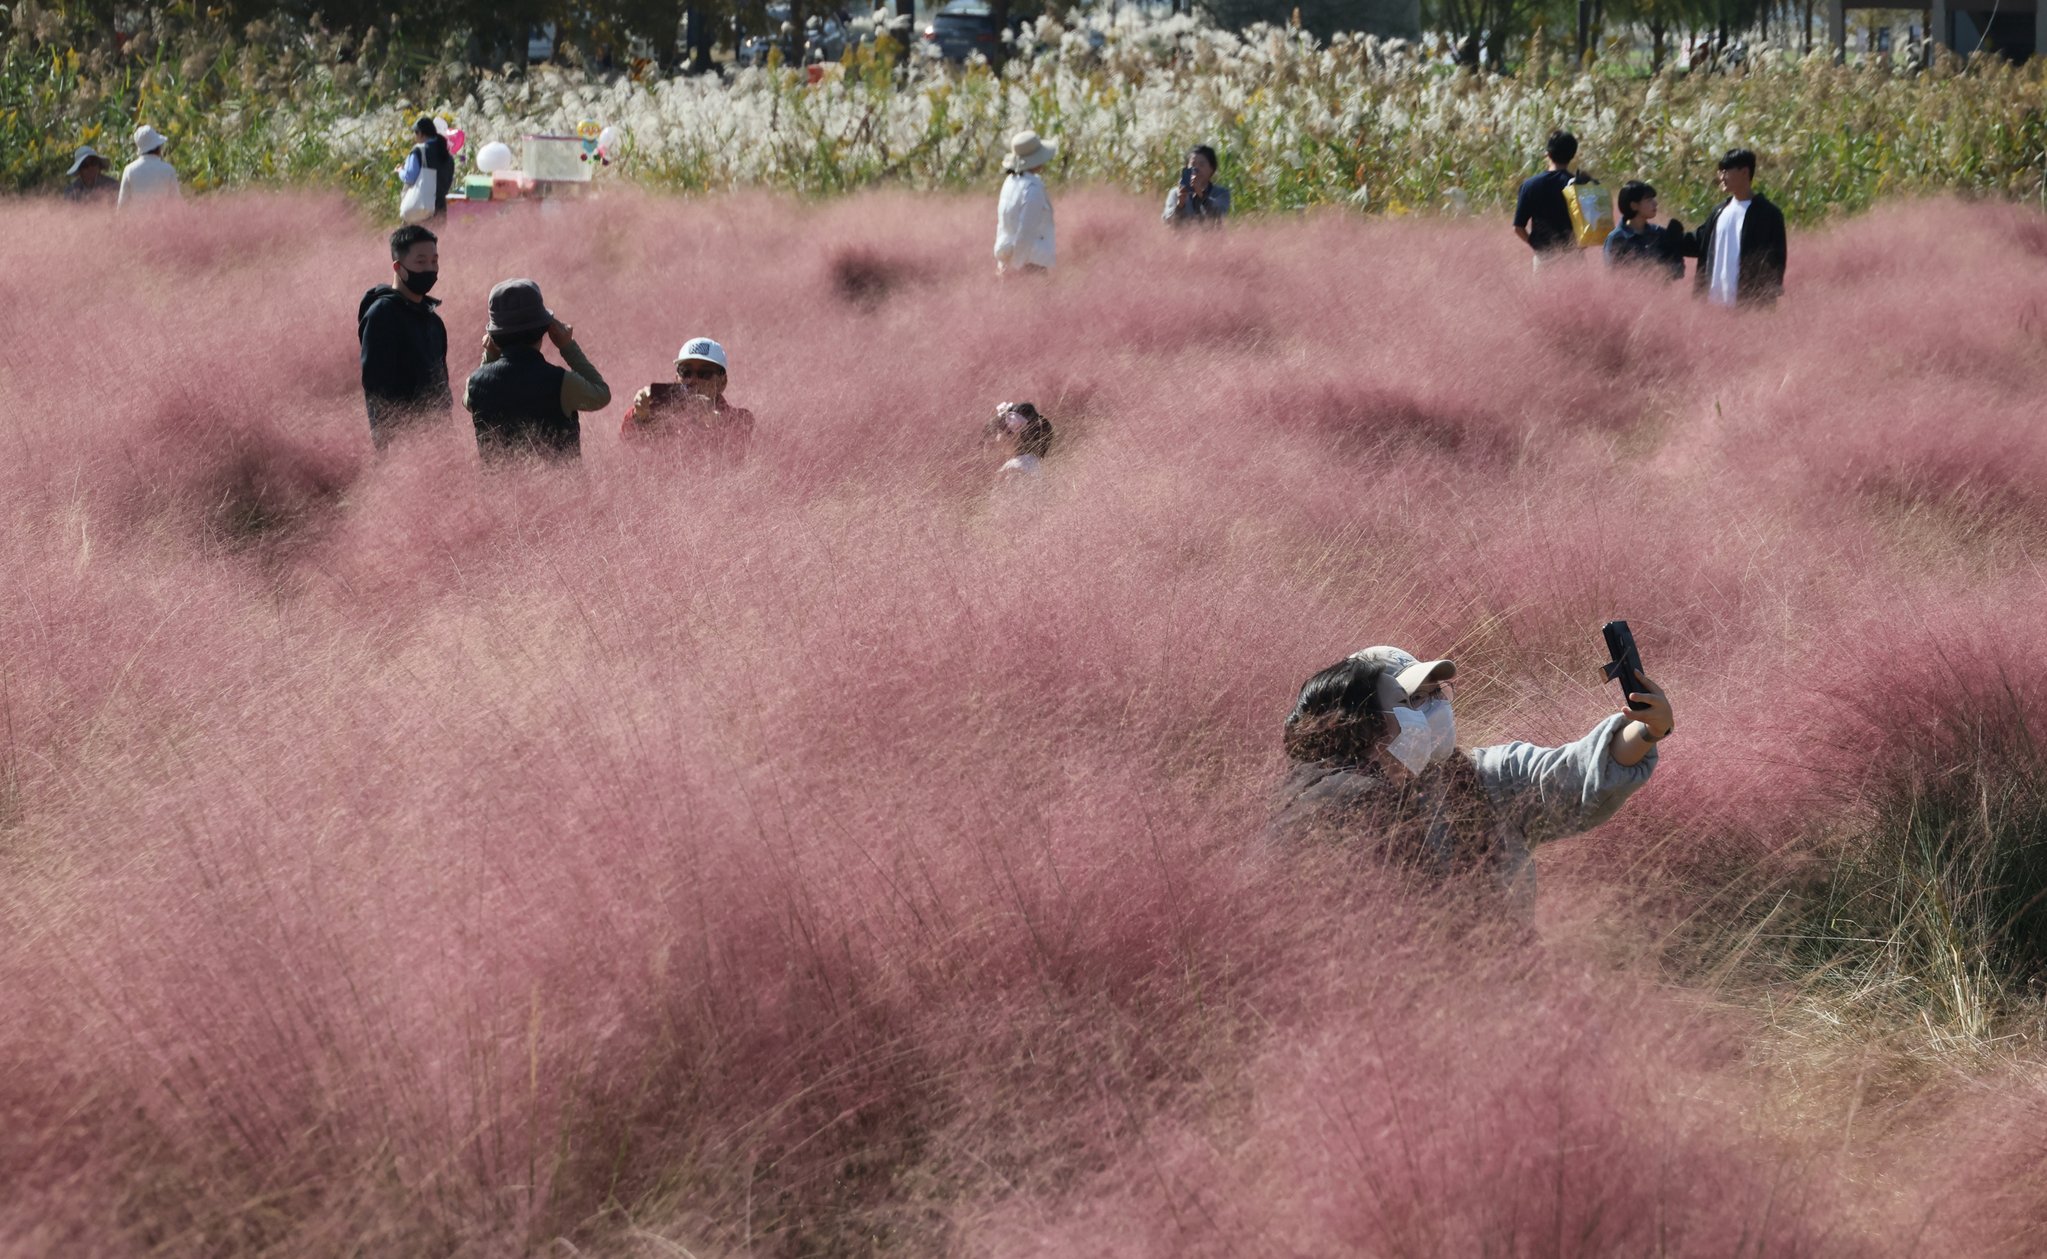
x: 843, y: 854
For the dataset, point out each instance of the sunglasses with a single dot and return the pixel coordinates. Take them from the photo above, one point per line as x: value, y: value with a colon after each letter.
x: 698, y: 373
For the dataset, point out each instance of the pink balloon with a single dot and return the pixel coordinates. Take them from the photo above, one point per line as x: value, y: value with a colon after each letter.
x: 455, y: 139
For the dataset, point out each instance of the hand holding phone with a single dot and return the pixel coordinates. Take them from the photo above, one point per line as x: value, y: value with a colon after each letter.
x: 1625, y: 665
x: 1186, y: 178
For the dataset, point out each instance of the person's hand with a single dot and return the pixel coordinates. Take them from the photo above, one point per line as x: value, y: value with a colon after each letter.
x: 561, y: 334
x: 490, y: 346
x: 643, y: 406
x: 1657, y: 715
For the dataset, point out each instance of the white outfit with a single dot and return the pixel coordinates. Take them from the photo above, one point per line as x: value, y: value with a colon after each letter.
x: 1725, y: 283
x: 1028, y: 465
x: 1023, y: 224
x: 148, y: 178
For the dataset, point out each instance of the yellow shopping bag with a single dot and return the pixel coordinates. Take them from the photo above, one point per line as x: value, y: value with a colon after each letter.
x: 1591, y: 213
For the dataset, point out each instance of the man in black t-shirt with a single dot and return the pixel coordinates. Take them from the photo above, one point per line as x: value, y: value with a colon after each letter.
x: 1541, y: 218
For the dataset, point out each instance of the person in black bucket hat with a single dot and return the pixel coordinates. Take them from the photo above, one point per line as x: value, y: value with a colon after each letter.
x: 519, y: 400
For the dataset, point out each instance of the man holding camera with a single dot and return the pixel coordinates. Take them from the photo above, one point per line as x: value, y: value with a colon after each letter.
x: 1197, y: 198
x: 692, y: 407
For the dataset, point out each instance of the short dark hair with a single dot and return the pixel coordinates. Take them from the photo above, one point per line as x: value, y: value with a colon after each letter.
x: 1338, y: 716
x: 1203, y: 150
x: 1034, y: 438
x: 1739, y: 159
x: 1632, y: 193
x: 425, y: 126
x: 406, y: 237
x: 518, y: 340
x: 1562, y: 147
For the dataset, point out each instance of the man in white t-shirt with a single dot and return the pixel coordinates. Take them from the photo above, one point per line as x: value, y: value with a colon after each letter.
x: 1740, y: 246
x: 148, y: 178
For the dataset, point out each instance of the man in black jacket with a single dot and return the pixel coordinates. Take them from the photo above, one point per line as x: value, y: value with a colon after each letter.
x: 1740, y: 246
x: 404, y: 343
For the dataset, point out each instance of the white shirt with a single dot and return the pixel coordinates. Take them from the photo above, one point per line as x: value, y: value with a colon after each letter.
x: 1725, y: 283
x: 1023, y: 224
x: 148, y: 178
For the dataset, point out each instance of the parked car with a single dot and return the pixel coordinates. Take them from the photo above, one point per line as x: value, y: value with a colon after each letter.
x: 961, y: 29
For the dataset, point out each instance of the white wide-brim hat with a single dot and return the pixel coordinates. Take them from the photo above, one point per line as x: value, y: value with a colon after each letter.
x: 702, y: 350
x: 148, y: 139
x: 85, y: 154
x: 1028, y: 151
x: 1403, y: 672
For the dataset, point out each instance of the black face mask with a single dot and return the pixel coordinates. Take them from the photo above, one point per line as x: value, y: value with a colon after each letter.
x: 420, y: 282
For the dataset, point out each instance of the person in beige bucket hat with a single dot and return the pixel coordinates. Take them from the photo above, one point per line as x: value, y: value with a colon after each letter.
x: 1023, y: 216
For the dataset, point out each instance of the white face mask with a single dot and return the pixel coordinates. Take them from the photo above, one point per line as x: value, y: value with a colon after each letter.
x: 1427, y: 735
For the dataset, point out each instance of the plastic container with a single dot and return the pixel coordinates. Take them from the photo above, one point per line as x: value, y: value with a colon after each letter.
x: 509, y: 185
x: 476, y: 188
x: 557, y: 159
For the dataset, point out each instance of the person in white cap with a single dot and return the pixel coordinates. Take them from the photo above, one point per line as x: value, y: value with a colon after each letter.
x: 692, y: 406
x: 89, y: 184
x: 1023, y: 217
x: 1373, y: 741
x: 148, y: 178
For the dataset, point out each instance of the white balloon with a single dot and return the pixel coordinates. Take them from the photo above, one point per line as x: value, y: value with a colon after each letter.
x: 494, y: 157
x: 608, y: 139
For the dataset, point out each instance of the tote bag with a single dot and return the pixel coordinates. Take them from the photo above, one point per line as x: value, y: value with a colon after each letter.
x: 416, y: 205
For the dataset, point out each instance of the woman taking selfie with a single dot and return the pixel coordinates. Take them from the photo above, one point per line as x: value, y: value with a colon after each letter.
x: 1373, y: 741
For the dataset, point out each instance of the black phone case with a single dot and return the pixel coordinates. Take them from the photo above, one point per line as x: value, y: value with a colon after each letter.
x: 1626, y: 664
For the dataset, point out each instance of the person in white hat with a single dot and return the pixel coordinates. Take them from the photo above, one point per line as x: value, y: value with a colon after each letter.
x: 1376, y: 767
x: 1023, y: 217
x: 148, y: 178
x: 89, y: 184
x: 692, y: 407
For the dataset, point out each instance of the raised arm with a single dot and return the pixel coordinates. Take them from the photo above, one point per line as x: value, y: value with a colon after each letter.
x: 1567, y: 790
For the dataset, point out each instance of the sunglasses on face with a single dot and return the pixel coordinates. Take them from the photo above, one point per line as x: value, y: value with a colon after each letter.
x: 698, y: 373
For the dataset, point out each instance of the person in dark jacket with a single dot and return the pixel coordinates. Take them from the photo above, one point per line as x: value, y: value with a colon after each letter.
x: 1377, y: 772
x: 430, y: 153
x: 520, y: 401
x: 1638, y: 242
x: 89, y: 184
x: 404, y: 343
x: 1542, y: 218
x: 1741, y: 246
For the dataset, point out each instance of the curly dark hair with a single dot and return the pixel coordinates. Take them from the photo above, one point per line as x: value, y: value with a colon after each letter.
x: 1034, y: 438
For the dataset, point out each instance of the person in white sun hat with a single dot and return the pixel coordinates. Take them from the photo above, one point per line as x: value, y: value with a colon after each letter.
x: 148, y: 178
x: 89, y: 184
x: 1376, y: 767
x: 692, y: 407
x: 1023, y: 217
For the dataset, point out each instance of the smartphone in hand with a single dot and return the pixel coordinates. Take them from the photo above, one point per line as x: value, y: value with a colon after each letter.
x: 664, y: 392
x: 1186, y: 178
x: 1625, y: 667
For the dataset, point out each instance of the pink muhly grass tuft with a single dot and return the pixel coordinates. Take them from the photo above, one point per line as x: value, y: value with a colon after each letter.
x: 841, y: 851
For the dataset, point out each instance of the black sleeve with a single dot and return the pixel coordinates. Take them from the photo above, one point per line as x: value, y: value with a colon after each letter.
x: 1524, y: 207
x: 1693, y: 244
x: 1776, y: 247
x: 385, y: 372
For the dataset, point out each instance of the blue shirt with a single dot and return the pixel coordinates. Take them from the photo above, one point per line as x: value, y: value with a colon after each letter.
x: 1655, y: 247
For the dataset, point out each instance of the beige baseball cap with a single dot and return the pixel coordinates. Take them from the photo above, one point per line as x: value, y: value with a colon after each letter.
x: 1404, y: 674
